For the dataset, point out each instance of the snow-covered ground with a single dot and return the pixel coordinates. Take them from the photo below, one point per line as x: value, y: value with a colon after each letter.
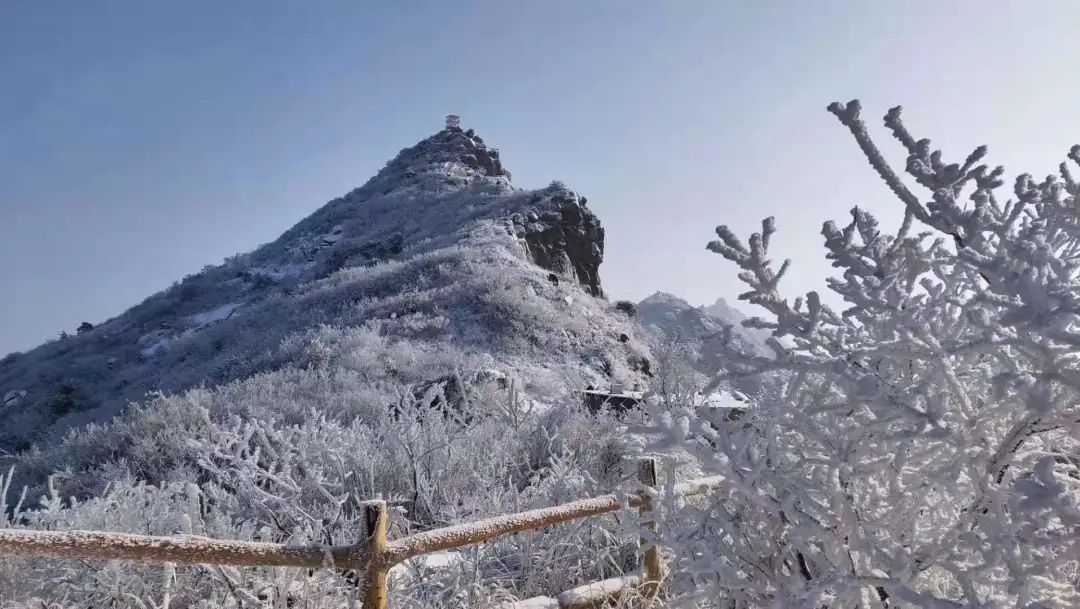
x: 221, y: 313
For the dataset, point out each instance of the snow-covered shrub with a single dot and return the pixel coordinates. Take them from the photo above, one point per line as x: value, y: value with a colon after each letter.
x: 919, y: 448
x: 285, y: 457
x: 676, y: 381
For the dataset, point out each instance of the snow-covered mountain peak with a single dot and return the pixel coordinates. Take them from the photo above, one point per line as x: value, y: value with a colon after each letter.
x: 437, y: 251
x: 667, y: 299
x: 722, y: 311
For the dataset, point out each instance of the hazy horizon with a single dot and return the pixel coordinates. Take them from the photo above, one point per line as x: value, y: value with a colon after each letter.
x: 140, y: 143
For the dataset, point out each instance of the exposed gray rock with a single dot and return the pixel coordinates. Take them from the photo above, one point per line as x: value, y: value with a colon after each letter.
x: 566, y: 238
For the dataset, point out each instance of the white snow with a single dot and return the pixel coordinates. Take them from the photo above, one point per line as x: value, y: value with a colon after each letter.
x: 457, y: 169
x: 12, y: 398
x: 721, y: 399
x: 537, y: 602
x: 594, y: 593
x: 215, y: 315
x: 336, y: 234
x: 404, y: 571
x: 158, y: 340
x: 279, y: 272
x: 621, y: 393
x: 155, y: 341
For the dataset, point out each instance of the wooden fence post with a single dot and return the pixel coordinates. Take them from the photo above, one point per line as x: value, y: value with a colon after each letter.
x: 651, y: 561
x: 376, y: 516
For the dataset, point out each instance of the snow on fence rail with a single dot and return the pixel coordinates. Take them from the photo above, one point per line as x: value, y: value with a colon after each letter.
x: 373, y: 556
x: 188, y: 549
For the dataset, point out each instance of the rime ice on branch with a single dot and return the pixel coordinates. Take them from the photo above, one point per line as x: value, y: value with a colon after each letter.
x: 921, y: 445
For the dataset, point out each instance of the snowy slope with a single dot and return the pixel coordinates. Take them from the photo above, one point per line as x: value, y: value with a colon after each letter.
x: 438, y: 252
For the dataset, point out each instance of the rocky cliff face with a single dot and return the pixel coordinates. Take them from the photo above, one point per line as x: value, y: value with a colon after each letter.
x: 439, y: 248
x: 562, y: 235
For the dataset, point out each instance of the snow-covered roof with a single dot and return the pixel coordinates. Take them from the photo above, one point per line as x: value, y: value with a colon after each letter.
x: 722, y: 399
x: 635, y: 395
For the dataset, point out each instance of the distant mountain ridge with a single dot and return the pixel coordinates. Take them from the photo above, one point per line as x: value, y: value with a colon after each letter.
x: 700, y: 328
x: 439, y: 250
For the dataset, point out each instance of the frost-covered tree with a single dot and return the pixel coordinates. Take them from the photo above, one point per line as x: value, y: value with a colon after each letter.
x: 919, y: 447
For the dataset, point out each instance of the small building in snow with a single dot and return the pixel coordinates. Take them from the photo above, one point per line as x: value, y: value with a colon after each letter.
x: 617, y: 399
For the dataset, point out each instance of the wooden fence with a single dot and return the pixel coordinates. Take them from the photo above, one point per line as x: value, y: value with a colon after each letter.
x: 375, y: 555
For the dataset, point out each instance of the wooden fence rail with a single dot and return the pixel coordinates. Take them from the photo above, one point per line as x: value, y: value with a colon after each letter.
x: 373, y: 556
x: 188, y: 549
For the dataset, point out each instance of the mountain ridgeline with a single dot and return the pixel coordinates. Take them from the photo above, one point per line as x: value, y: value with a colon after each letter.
x: 700, y: 330
x: 437, y: 268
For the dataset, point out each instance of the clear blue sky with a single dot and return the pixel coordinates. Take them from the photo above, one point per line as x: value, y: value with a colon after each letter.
x: 140, y: 141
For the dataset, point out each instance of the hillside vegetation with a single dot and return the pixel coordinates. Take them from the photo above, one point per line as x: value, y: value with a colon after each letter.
x: 423, y: 338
